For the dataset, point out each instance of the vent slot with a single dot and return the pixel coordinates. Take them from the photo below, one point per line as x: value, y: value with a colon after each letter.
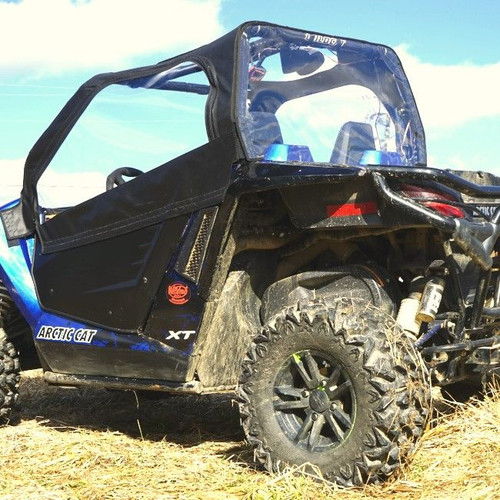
x: 193, y: 253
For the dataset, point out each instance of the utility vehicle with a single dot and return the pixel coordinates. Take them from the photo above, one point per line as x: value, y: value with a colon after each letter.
x: 256, y: 216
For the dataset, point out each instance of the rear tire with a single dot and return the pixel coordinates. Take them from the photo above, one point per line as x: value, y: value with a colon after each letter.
x: 9, y: 378
x: 340, y: 387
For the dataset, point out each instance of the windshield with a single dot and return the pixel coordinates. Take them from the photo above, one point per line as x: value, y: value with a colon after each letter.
x: 312, y: 98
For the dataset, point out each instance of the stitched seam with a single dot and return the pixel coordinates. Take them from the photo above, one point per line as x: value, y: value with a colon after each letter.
x: 171, y: 210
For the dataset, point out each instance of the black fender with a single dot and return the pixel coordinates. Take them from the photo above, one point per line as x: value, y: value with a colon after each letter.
x: 356, y: 281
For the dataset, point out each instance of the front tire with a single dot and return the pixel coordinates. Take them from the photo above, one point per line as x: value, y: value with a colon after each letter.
x: 9, y: 378
x: 339, y: 387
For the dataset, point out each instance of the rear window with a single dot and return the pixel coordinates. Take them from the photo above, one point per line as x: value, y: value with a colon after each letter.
x: 311, y: 98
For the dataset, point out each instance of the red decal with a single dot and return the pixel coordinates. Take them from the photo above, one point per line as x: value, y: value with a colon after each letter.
x: 178, y: 293
x: 346, y: 209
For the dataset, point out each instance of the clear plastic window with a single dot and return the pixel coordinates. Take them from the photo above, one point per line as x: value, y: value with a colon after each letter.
x: 312, y: 98
x: 322, y: 129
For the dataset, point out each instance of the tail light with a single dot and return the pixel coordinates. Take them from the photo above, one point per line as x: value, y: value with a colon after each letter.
x: 434, y: 199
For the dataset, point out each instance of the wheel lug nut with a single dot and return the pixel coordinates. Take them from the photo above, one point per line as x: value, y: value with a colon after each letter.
x: 314, y: 416
x: 305, y: 394
x: 333, y: 406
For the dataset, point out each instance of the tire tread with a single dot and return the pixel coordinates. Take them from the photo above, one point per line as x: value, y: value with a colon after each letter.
x: 397, y: 379
x: 9, y: 378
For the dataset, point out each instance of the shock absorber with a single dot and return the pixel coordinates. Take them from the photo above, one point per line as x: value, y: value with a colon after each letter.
x: 407, y: 314
x: 431, y: 299
x: 422, y: 304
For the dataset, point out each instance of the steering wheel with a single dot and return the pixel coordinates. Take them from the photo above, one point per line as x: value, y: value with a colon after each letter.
x: 115, y: 178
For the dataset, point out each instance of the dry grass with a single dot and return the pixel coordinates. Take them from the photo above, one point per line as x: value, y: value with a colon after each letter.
x: 103, y: 445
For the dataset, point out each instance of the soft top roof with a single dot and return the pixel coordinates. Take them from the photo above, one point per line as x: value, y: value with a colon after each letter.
x: 220, y: 61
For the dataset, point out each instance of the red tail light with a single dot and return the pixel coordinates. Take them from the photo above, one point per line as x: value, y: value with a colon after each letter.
x: 423, y: 193
x: 446, y: 209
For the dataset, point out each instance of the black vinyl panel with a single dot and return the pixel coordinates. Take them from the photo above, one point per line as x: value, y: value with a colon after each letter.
x: 195, y: 180
x: 110, y: 283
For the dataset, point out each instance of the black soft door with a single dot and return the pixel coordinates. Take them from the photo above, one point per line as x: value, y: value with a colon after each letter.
x: 102, y: 261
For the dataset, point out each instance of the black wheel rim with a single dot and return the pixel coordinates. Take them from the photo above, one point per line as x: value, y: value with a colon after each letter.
x: 314, y: 401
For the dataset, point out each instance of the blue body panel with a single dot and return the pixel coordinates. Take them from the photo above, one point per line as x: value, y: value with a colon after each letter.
x: 70, y: 346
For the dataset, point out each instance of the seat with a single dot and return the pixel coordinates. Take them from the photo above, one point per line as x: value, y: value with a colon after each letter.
x: 288, y: 153
x: 353, y: 140
x: 264, y: 130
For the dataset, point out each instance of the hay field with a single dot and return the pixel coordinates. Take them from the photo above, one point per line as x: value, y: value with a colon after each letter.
x: 95, y: 444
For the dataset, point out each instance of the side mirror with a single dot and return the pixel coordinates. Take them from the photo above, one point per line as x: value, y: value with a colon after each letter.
x: 302, y: 60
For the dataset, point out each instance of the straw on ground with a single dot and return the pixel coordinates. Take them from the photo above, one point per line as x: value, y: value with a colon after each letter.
x: 110, y: 445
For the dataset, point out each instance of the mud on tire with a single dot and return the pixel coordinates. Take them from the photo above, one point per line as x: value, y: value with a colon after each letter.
x: 340, y: 387
x: 9, y: 378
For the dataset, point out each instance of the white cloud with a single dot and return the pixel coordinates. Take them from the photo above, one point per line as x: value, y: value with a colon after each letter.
x: 12, y: 179
x: 48, y: 37
x: 450, y: 96
x: 55, y: 189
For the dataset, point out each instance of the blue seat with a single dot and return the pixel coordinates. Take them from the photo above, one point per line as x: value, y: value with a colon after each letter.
x: 373, y: 157
x: 288, y: 152
x: 353, y: 140
x: 264, y: 130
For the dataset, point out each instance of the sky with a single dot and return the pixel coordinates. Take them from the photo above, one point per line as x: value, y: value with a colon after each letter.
x: 450, y: 50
